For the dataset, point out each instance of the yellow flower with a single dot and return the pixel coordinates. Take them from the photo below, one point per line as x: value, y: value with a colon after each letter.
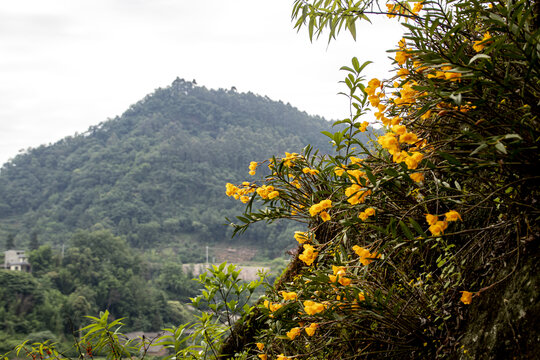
x: 361, y: 296
x: 289, y: 295
x: 402, y: 56
x: 244, y: 199
x: 438, y: 228
x: 366, y: 213
x: 231, y: 189
x: 453, y: 215
x: 399, y: 129
x: 374, y: 100
x: 402, y: 72
x: 356, y: 194
x: 282, y: 357
x: 466, y: 297
x: 374, y: 83
x: 309, y: 255
x: 417, y: 7
x: 260, y: 346
x: 366, y: 257
x: 431, y: 219
x: 408, y: 138
x: 339, y: 171
x: 388, y: 141
x: 417, y: 177
x: 390, y: 8
x: 363, y: 216
x: 315, y: 209
x: 312, y: 307
x: 307, y: 170
x: 263, y: 356
x: 301, y: 237
x: 325, y: 216
x: 264, y: 191
x: 453, y: 76
x: 272, y: 306
x: 414, y: 160
x: 326, y: 204
x: 399, y: 157
x: 481, y: 44
x: 310, y: 330
x: 344, y: 281
x: 363, y: 126
x: 370, y: 211
x: 294, y: 332
x: 273, y: 194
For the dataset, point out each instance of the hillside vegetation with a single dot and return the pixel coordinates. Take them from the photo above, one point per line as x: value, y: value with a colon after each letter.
x: 156, y: 174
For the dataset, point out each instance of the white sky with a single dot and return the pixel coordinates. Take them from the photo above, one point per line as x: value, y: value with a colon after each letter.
x: 69, y: 64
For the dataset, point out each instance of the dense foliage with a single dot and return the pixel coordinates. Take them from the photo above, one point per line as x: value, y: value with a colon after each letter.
x: 155, y: 174
x: 439, y: 218
x: 97, y: 272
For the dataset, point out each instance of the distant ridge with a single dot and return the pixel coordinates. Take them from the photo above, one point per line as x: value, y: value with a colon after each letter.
x: 157, y: 173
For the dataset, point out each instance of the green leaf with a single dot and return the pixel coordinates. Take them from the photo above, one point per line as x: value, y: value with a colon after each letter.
x: 477, y: 57
x: 500, y: 147
x: 406, y: 230
x: 451, y: 159
x: 417, y: 227
x: 356, y: 64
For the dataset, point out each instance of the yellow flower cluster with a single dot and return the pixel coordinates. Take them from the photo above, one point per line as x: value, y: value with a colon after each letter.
x: 436, y: 226
x: 366, y: 257
x: 289, y: 158
x: 267, y: 192
x: 407, y: 95
x: 320, y: 208
x: 252, y: 167
x: 241, y: 194
x: 403, y: 9
x: 339, y: 275
x: 312, y: 307
x: 308, y: 255
x: 366, y: 213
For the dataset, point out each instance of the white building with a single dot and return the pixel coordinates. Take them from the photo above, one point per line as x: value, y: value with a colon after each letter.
x: 16, y: 260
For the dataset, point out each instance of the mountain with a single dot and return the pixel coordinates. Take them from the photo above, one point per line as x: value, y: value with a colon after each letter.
x: 156, y: 174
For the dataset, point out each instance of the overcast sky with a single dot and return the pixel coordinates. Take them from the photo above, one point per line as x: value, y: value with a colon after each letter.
x: 69, y: 64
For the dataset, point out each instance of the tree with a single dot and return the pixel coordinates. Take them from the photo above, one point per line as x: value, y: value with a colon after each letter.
x: 10, y: 241
x: 34, y: 243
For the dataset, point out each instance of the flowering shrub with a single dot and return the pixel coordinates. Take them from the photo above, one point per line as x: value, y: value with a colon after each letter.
x: 395, y: 228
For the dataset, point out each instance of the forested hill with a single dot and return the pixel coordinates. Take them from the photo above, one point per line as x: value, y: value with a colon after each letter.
x: 157, y: 173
